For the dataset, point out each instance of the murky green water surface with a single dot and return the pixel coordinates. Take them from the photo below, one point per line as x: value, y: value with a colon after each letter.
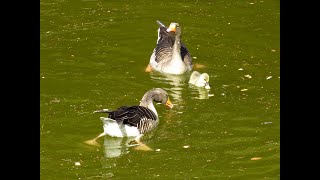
x: 93, y: 56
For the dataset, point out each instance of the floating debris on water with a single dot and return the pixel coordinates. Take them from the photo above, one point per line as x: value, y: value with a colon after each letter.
x: 266, y: 123
x: 240, y: 157
x: 187, y: 146
x: 255, y: 158
x: 194, y: 57
x: 158, y: 150
x: 244, y: 90
x: 240, y: 69
x: 248, y: 76
x: 273, y: 50
x: 43, y: 77
x: 77, y: 164
x: 55, y: 100
x: 268, y: 77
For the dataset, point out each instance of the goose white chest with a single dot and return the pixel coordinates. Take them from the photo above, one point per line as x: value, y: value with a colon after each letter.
x: 113, y: 129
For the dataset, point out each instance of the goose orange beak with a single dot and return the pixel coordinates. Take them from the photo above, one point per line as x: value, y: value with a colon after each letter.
x: 169, y: 104
x: 171, y: 28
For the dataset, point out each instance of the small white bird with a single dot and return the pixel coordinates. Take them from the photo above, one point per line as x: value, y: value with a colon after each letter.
x: 200, y: 80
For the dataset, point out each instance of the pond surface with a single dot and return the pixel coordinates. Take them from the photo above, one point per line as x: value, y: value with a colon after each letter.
x: 93, y: 55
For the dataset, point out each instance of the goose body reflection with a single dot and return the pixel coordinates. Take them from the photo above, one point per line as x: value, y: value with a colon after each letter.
x: 200, y: 92
x: 116, y: 146
x: 177, y: 83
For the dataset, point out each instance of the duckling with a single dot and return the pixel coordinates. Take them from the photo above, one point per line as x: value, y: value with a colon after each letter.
x: 200, y: 80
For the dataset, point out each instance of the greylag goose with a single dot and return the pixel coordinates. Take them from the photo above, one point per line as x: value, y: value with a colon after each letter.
x: 134, y: 121
x: 200, y: 80
x: 170, y: 55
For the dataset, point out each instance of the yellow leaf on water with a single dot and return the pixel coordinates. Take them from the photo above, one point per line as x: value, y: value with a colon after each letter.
x: 255, y: 158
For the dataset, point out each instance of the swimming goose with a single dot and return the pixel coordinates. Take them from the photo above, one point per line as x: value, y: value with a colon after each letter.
x: 134, y: 121
x: 200, y: 80
x: 170, y: 55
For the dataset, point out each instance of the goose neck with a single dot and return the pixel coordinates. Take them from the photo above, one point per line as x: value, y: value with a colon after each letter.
x: 147, y: 101
x: 177, y: 43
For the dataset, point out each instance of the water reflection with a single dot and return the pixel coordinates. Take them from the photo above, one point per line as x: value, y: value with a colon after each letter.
x: 175, y: 81
x: 200, y: 92
x: 177, y: 84
x: 116, y: 146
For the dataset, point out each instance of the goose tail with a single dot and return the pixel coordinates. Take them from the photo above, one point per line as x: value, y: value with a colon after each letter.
x: 161, y: 24
x: 102, y: 111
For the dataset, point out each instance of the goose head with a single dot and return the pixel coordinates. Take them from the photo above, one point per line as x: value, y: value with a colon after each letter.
x: 175, y: 28
x: 157, y: 95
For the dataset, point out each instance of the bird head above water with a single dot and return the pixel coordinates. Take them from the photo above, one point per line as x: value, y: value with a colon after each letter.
x: 175, y: 28
x: 200, y: 80
x: 158, y: 95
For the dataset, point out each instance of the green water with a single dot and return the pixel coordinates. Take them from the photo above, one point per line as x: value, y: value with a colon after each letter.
x: 93, y: 55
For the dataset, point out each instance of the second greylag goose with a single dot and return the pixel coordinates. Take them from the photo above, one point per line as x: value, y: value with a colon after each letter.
x: 134, y: 121
x: 170, y: 55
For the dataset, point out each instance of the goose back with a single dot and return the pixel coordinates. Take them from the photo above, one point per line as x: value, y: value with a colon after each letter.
x: 163, y: 50
x: 138, y: 116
